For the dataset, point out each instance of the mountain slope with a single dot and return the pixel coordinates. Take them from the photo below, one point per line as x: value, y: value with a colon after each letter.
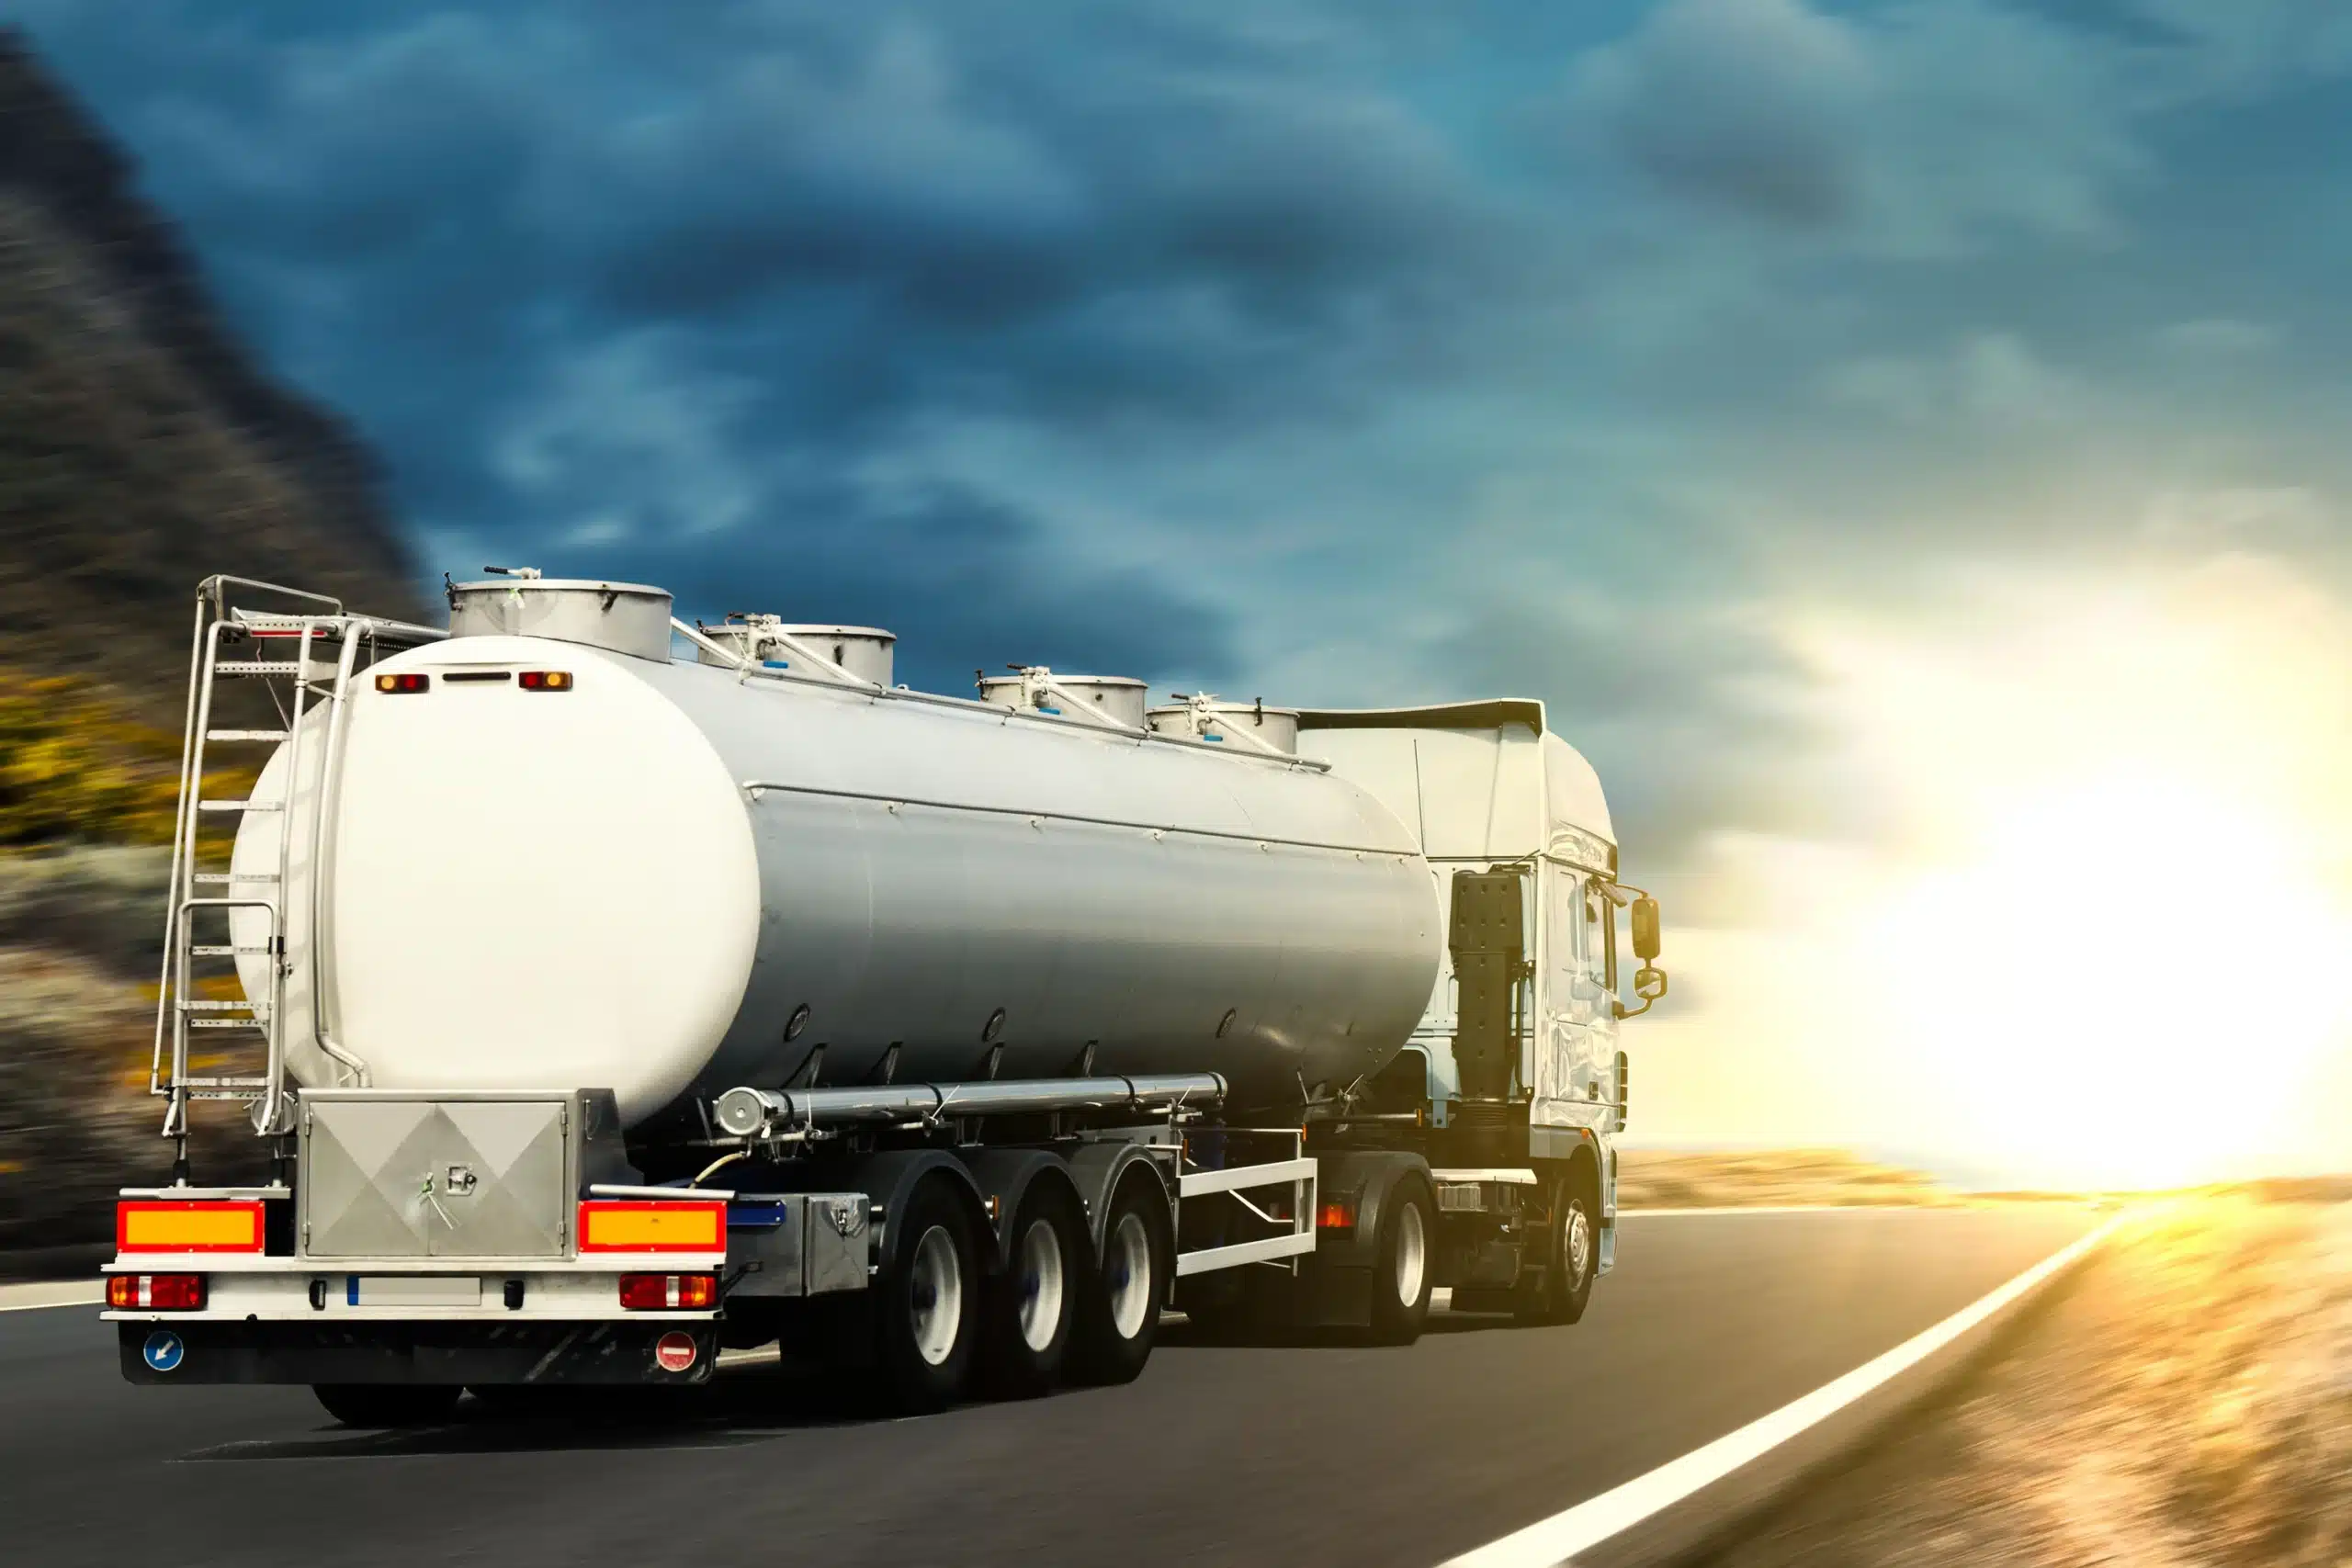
x: 141, y: 450
x: 140, y: 447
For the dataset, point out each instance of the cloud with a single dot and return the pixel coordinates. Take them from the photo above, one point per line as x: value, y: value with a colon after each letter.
x: 1328, y: 351
x: 1745, y: 103
x: 2218, y: 336
x: 2236, y: 517
x: 1918, y: 128
x: 1985, y: 379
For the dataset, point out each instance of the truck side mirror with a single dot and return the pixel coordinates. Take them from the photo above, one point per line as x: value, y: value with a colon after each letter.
x: 1646, y: 930
x: 1650, y: 984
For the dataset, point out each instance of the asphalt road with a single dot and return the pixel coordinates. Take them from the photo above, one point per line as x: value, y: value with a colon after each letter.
x: 1300, y: 1454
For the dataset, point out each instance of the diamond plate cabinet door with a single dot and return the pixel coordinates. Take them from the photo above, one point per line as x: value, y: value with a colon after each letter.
x: 451, y: 1178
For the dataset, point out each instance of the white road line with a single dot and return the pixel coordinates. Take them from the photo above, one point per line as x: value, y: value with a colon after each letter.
x: 1549, y: 1542
x: 1783, y: 1209
x: 1963, y: 1207
x: 51, y: 1293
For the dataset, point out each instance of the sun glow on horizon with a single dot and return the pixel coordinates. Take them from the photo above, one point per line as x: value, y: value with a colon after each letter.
x: 2093, y: 924
x: 2126, y: 988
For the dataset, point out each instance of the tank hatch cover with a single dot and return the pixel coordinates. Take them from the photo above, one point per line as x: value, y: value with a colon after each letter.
x: 626, y: 618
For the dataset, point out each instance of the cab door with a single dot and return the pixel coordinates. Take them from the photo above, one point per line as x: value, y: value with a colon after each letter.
x: 1572, y: 1036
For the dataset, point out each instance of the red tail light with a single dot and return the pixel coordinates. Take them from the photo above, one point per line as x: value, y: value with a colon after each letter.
x: 159, y: 1292
x: 669, y: 1293
x: 1336, y: 1214
x: 545, y: 680
x: 403, y: 682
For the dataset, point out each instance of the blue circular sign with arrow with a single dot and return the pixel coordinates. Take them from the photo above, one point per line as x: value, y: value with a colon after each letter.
x: 164, y: 1350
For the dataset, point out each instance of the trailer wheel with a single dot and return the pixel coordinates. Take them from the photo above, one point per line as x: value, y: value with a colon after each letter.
x: 1575, y: 1254
x: 388, y: 1404
x: 1119, y: 1301
x: 1034, y: 1302
x: 1401, y: 1269
x: 925, y: 1304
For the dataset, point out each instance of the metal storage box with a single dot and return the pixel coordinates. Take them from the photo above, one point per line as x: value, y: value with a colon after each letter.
x: 799, y: 1244
x: 394, y: 1175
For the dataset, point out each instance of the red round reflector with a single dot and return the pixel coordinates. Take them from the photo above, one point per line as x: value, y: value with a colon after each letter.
x: 675, y: 1352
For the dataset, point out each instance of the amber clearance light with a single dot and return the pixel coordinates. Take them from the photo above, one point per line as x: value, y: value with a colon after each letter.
x: 403, y: 684
x: 545, y: 680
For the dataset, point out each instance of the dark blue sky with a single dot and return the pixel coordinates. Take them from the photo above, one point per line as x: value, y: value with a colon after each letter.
x: 1333, y: 352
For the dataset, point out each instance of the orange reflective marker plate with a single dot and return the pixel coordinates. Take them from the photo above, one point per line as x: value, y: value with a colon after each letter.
x: 189, y: 1226
x: 652, y: 1227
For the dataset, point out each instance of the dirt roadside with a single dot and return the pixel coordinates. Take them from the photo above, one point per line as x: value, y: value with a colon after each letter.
x: 2185, y: 1399
x: 1675, y: 1178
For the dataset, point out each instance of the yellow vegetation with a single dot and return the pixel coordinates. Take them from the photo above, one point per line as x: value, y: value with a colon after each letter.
x: 72, y: 767
x: 75, y: 767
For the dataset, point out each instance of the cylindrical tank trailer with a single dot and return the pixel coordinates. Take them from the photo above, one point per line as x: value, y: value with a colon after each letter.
x: 563, y: 858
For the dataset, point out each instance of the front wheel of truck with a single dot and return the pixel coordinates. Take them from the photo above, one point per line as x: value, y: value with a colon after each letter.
x: 388, y: 1404
x: 1566, y: 1287
x: 1401, y: 1274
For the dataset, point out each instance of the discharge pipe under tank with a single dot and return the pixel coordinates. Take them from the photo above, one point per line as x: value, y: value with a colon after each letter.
x: 755, y: 1112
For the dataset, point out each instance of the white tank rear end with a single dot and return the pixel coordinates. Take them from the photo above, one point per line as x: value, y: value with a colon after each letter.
x: 525, y: 889
x: 673, y: 876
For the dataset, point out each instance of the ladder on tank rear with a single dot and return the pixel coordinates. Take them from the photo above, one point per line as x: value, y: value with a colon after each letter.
x: 328, y: 647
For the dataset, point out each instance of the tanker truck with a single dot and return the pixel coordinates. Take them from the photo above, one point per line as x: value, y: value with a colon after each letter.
x: 609, y: 993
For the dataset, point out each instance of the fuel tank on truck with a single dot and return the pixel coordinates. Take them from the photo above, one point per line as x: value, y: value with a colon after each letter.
x: 584, y: 864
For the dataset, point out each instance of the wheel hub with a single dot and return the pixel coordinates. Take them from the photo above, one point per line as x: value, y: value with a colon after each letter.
x: 936, y: 1295
x: 1577, y: 1245
x: 1041, y: 1285
x: 1127, y: 1275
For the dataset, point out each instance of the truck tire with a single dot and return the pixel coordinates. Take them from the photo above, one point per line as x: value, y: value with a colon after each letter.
x: 1032, y: 1306
x: 388, y: 1404
x: 1401, y: 1260
x: 926, y: 1301
x: 1576, y: 1248
x: 1119, y: 1301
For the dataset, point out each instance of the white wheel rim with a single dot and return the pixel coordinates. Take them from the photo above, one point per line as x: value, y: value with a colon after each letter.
x: 936, y: 1295
x: 1412, y: 1254
x: 1578, y: 1243
x: 1040, y: 1284
x: 1126, y: 1274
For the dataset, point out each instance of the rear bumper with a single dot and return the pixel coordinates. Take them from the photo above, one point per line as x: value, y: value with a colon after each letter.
x: 613, y: 1352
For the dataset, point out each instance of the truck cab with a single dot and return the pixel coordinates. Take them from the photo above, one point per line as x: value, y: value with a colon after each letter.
x: 1515, y: 1068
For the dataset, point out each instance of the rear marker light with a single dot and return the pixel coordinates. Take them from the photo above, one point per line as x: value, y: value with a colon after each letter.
x: 156, y: 1292
x: 403, y: 682
x: 1337, y: 1214
x: 545, y: 680
x: 669, y: 1293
